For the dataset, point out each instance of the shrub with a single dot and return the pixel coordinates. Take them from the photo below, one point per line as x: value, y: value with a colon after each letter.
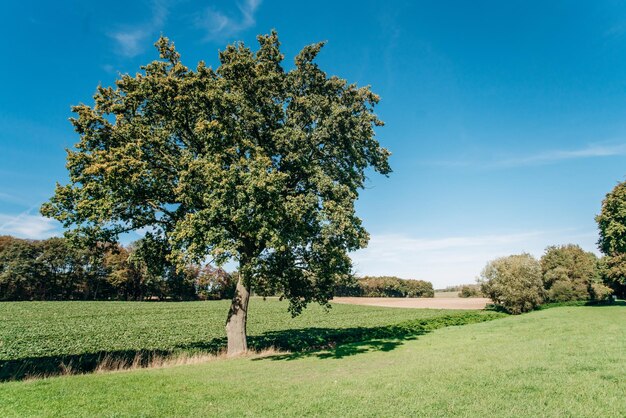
x: 514, y: 283
x: 568, y: 272
x: 469, y: 291
x: 565, y: 291
x: 613, y: 273
x: 600, y: 291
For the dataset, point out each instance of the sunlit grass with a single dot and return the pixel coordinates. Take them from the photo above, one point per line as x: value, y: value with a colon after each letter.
x: 567, y: 361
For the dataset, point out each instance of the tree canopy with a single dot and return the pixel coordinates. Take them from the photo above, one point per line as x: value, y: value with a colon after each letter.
x: 54, y: 269
x: 612, y: 227
x: 248, y: 162
x: 569, y: 272
x: 513, y: 282
x: 612, y: 222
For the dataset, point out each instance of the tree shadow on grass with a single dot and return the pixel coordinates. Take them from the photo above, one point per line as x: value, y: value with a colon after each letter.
x: 592, y: 304
x: 618, y: 302
x: 343, y: 350
x: 298, y: 342
x: 44, y: 366
x: 336, y: 343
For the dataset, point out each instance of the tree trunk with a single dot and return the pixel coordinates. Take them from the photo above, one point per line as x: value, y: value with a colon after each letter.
x: 237, y: 317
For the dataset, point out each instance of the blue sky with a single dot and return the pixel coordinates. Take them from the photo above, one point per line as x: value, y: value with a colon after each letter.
x: 507, y: 120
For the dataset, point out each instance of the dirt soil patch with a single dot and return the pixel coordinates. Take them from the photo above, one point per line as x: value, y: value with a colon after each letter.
x: 423, y: 303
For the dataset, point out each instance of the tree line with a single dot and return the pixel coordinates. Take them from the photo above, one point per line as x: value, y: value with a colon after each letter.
x: 55, y: 269
x: 386, y: 286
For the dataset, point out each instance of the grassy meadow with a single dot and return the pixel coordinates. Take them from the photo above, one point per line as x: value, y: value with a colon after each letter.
x: 36, y: 338
x: 565, y: 361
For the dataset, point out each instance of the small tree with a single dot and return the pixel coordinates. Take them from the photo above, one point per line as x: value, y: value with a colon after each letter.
x: 613, y: 273
x: 569, y: 272
x: 612, y: 227
x: 513, y: 282
x: 247, y: 162
x: 470, y: 291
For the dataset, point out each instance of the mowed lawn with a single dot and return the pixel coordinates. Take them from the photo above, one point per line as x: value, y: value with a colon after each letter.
x: 567, y: 361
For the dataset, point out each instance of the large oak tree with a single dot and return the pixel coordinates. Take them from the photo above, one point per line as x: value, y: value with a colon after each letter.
x: 249, y: 162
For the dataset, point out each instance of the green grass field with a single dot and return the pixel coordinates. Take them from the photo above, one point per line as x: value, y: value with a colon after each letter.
x: 36, y: 337
x: 567, y: 361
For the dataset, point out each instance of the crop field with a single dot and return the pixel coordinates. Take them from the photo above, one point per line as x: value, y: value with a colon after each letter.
x: 36, y: 338
x: 565, y: 361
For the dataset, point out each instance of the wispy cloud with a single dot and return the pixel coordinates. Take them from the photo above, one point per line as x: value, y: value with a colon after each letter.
x: 29, y: 226
x: 131, y: 42
x: 541, y: 158
x: 218, y: 24
x: 454, y: 260
x: 590, y: 151
x: 10, y: 198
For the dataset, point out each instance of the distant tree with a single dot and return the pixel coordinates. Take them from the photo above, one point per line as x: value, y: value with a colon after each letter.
x: 122, y: 274
x: 470, y: 291
x: 215, y: 283
x: 65, y: 268
x: 418, y: 288
x: 612, y: 227
x: 386, y: 286
x: 247, y: 162
x: 21, y: 273
x: 569, y: 272
x: 513, y: 282
x: 161, y: 276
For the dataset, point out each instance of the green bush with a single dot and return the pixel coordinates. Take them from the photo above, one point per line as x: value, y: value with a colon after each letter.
x: 568, y: 273
x: 514, y: 283
x: 565, y: 291
x: 613, y: 273
x: 470, y: 291
x: 600, y: 291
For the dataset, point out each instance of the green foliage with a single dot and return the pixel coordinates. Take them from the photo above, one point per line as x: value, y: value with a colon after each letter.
x: 54, y: 269
x: 20, y: 272
x: 613, y: 273
x: 248, y: 162
x: 612, y: 222
x: 612, y: 228
x: 470, y: 291
x: 514, y: 283
x: 386, y: 286
x: 600, y: 291
x: 39, y: 336
x: 215, y: 284
x: 564, y: 291
x: 568, y: 273
x: 49, y: 270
